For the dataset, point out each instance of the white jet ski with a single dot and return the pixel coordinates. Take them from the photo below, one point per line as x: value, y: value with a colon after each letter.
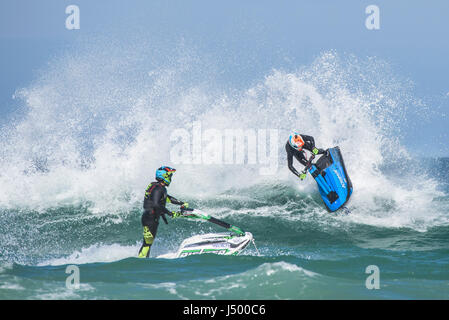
x: 218, y: 243
x: 225, y: 243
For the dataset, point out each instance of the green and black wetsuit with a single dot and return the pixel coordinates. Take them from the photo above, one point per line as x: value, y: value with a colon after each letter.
x: 154, y: 205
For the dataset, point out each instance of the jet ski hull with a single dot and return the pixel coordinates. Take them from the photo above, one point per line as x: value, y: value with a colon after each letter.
x: 332, y: 179
x: 216, y: 243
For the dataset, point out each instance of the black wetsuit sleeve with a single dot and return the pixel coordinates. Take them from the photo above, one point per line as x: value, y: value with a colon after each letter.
x: 309, y: 144
x: 174, y: 200
x: 290, y: 159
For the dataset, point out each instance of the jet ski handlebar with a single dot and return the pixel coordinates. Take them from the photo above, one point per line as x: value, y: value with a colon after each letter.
x: 309, y: 163
x: 183, y: 209
x: 223, y: 224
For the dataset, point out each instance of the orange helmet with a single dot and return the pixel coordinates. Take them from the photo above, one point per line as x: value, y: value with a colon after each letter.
x: 296, y: 142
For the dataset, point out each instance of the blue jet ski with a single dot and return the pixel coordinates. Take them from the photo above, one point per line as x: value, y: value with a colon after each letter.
x: 333, y: 181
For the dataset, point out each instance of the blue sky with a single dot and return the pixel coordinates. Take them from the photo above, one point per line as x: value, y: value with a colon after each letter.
x: 412, y: 38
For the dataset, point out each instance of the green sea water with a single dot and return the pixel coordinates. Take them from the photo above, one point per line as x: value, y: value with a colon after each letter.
x: 305, y: 253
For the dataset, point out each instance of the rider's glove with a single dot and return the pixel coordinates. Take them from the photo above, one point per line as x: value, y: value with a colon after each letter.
x: 176, y: 214
x: 315, y: 151
x: 302, y: 176
x: 185, y: 205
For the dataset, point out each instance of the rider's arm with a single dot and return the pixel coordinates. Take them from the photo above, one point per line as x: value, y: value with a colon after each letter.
x: 309, y: 144
x: 173, y: 200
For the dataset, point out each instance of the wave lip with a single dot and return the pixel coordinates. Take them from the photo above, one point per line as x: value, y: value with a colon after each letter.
x: 95, y: 253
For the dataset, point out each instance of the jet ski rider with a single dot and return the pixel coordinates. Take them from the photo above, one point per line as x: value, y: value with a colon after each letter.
x: 154, y: 205
x: 295, y: 148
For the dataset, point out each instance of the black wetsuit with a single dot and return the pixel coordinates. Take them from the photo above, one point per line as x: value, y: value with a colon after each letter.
x: 309, y: 144
x: 154, y: 205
